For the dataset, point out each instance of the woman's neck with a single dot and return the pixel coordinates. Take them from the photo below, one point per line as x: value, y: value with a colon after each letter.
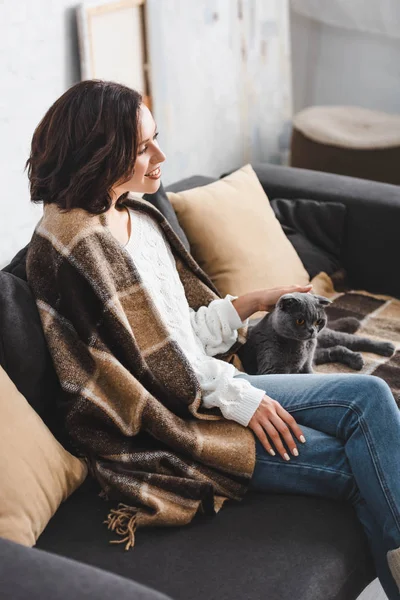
x: 119, y: 223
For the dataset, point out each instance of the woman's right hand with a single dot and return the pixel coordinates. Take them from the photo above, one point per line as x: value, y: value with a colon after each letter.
x: 272, y: 419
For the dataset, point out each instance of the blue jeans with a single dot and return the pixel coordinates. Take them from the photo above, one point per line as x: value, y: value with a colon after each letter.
x: 352, y: 428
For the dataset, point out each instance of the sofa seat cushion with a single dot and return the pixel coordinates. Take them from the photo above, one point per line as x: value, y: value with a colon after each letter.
x: 268, y: 546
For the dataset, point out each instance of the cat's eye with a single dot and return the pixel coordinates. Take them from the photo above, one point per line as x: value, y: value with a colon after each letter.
x: 318, y: 322
x: 300, y: 321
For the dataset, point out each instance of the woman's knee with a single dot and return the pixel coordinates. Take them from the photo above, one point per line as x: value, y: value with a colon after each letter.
x: 371, y: 388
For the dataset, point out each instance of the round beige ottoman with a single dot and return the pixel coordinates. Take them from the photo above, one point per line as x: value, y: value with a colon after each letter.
x: 348, y: 140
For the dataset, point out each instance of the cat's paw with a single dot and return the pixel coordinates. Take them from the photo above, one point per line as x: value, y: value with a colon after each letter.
x: 356, y: 361
x: 387, y: 349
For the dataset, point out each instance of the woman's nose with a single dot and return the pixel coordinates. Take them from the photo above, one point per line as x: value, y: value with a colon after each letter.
x: 158, y: 157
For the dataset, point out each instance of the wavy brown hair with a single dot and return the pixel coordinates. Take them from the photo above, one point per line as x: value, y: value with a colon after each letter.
x: 85, y: 144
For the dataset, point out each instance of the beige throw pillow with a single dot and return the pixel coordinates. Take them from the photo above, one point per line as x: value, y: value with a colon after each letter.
x: 235, y: 236
x: 36, y: 472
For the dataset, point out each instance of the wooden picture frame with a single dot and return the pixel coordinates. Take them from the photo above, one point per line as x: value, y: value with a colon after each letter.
x: 113, y: 45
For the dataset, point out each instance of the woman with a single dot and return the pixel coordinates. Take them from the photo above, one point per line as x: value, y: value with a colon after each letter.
x: 141, y: 341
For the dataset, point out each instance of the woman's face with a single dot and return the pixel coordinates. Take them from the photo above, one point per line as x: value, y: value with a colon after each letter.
x: 148, y: 160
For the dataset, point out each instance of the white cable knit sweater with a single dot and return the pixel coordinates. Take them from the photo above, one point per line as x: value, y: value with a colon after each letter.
x: 201, y: 334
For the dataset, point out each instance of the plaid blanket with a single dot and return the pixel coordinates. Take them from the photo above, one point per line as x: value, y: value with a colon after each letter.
x: 132, y: 403
x: 380, y: 320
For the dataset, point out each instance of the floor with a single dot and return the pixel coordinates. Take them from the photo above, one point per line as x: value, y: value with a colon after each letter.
x: 373, y: 592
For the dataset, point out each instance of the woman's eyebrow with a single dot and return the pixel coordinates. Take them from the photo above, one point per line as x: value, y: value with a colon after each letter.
x: 144, y: 141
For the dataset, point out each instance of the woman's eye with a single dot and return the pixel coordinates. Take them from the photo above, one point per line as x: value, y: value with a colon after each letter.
x: 300, y: 322
x: 145, y: 148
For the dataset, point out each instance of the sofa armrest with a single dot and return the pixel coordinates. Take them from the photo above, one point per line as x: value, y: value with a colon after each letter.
x: 371, y: 242
x: 34, y: 574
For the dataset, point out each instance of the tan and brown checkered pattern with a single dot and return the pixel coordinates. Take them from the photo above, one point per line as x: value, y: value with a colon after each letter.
x: 131, y: 400
x: 380, y: 320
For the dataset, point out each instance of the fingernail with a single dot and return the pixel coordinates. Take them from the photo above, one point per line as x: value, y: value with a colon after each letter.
x: 272, y: 452
x: 286, y: 456
x: 303, y: 439
x: 295, y: 451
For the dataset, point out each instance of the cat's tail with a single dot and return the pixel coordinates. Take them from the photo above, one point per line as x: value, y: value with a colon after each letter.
x: 345, y: 324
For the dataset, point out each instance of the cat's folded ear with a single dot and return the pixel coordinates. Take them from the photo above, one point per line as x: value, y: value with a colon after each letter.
x: 322, y: 300
x: 287, y: 301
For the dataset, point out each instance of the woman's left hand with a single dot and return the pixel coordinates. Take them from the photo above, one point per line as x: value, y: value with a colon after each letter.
x: 268, y: 298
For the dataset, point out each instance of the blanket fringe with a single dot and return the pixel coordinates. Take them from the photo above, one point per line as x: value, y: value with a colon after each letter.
x: 123, y: 521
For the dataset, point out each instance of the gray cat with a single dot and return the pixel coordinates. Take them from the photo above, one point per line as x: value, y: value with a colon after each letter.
x: 294, y: 336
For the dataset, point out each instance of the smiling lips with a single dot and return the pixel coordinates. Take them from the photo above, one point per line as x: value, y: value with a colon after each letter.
x: 154, y: 174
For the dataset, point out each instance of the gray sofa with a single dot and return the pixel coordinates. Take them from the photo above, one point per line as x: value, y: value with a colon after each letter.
x: 275, y: 546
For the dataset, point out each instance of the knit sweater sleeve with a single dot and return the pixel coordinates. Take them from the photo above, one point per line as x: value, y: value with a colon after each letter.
x: 237, y: 398
x: 216, y: 325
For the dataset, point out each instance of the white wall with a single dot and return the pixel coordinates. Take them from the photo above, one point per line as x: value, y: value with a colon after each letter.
x: 221, y: 83
x: 331, y: 65
x: 38, y: 62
